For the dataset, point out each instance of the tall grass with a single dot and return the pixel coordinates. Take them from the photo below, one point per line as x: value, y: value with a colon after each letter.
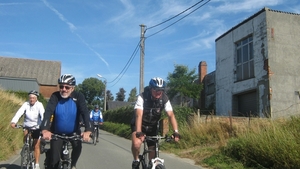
x: 255, y: 143
x: 10, y: 140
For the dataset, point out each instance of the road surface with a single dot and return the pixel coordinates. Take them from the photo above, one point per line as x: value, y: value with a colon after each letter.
x: 112, y: 152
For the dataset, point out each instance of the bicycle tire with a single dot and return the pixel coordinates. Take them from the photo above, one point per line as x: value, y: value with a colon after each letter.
x: 65, y: 166
x: 160, y: 166
x: 24, y: 157
x: 94, y: 137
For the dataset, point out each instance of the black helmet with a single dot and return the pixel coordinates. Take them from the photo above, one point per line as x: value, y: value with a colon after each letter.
x: 157, y: 83
x: 67, y: 79
x: 34, y: 92
x: 96, y: 107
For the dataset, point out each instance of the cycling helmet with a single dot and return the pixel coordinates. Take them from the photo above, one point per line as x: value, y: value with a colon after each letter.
x: 34, y: 92
x: 96, y: 107
x: 67, y: 79
x: 157, y: 83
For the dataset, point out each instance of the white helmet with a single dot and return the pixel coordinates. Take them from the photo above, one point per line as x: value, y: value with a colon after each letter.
x: 67, y: 79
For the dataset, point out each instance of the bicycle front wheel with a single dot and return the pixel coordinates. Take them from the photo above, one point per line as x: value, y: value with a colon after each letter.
x: 24, y: 157
x: 95, y: 137
x: 160, y: 166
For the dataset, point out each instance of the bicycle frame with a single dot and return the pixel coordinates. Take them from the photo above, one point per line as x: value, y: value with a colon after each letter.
x: 156, y: 162
x: 65, y: 160
x: 95, y: 132
x: 27, y: 152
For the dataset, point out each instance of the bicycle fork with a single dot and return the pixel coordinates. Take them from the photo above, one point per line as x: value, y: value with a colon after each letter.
x: 65, y: 156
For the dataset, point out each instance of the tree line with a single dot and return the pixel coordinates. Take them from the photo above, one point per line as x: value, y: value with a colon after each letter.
x: 182, y: 84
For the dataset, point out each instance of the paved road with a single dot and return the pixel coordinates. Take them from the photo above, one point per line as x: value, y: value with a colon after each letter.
x: 112, y: 152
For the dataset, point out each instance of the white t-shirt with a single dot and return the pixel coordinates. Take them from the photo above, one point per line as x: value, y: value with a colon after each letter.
x: 33, y: 114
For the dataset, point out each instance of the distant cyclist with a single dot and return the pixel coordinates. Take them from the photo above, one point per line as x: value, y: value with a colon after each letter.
x: 33, y: 112
x: 148, y: 109
x: 96, y: 116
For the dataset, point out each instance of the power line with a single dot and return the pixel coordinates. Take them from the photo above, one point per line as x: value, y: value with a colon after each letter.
x: 174, y: 16
x: 178, y: 19
x: 126, y: 66
x: 118, y: 78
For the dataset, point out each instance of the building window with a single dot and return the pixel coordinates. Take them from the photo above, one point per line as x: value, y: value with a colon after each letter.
x: 244, y: 59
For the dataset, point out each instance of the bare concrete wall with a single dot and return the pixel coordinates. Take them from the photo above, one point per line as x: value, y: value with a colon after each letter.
x: 284, y: 57
x: 276, y: 47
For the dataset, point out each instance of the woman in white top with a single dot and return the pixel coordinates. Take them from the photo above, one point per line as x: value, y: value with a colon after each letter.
x: 34, y: 114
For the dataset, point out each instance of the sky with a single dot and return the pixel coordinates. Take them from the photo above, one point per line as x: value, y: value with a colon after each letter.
x: 102, y: 37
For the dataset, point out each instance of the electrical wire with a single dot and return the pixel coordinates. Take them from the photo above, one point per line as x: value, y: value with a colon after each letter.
x: 126, y: 66
x: 178, y: 19
x: 174, y: 16
x: 120, y: 75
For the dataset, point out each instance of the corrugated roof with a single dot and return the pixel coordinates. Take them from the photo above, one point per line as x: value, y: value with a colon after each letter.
x: 46, y: 72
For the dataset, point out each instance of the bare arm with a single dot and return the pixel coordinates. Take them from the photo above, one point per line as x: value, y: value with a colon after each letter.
x: 138, y: 119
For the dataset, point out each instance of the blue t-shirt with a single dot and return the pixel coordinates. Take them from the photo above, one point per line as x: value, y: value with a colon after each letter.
x: 66, y: 117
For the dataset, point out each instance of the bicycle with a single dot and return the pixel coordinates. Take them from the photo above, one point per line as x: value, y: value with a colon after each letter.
x: 65, y: 160
x: 27, y: 152
x: 95, y: 132
x: 156, y: 162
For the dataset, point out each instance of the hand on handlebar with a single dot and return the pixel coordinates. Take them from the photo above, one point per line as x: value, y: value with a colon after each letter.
x: 176, y: 136
x: 46, y: 134
x: 86, y: 136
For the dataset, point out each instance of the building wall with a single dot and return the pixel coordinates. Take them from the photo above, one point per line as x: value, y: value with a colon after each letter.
x: 283, y: 64
x: 18, y: 84
x: 227, y: 88
x: 276, y: 69
x: 46, y: 91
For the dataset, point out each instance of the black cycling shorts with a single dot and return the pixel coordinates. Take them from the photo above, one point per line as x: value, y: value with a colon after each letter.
x: 36, y: 133
x: 148, y: 133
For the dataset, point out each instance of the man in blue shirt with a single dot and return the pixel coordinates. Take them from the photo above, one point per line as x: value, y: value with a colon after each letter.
x: 97, y: 118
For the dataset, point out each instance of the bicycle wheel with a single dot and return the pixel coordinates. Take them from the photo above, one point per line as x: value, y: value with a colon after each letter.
x: 65, y: 166
x: 95, y: 137
x: 24, y: 157
x: 160, y: 166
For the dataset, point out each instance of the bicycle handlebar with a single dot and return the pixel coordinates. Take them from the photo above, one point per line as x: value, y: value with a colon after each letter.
x: 64, y: 137
x: 158, y: 137
x: 25, y: 127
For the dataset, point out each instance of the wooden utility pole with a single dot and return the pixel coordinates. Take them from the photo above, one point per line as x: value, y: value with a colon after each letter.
x: 142, y: 53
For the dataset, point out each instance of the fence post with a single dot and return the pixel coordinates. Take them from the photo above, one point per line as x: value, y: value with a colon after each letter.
x: 198, y: 115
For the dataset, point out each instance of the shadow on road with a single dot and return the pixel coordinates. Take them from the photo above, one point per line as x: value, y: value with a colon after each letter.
x: 9, y: 166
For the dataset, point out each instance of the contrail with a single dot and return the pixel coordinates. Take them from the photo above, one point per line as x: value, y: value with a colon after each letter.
x: 72, y: 29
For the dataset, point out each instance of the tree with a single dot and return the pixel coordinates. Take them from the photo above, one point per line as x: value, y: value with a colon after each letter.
x: 121, y: 95
x: 109, y: 96
x: 132, y: 95
x: 92, y: 89
x: 182, y: 83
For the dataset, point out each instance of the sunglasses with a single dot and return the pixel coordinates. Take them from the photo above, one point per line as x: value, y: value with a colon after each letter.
x: 62, y: 87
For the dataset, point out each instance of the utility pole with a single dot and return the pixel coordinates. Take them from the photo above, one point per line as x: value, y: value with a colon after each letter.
x: 142, y: 53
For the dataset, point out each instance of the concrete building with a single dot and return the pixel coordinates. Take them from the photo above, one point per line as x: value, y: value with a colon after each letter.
x: 257, y: 66
x: 20, y: 74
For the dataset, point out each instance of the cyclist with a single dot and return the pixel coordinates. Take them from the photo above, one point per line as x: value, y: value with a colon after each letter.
x: 148, y: 108
x: 96, y: 116
x: 33, y: 112
x: 66, y: 105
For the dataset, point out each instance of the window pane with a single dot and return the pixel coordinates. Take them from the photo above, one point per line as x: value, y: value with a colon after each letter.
x: 245, y: 53
x: 239, y: 55
x: 239, y: 72
x: 246, y: 70
x: 245, y: 41
x: 251, y: 50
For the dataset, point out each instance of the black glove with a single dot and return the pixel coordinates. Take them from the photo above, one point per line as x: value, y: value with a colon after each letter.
x: 175, y: 134
x: 139, y: 134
